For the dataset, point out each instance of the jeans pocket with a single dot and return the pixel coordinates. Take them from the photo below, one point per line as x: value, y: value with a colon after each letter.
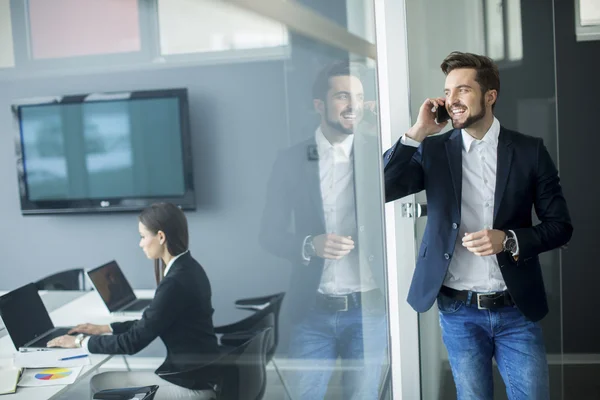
x: 446, y: 305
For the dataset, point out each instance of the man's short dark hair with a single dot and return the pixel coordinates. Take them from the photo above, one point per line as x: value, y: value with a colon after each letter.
x: 488, y: 76
x: 337, y: 68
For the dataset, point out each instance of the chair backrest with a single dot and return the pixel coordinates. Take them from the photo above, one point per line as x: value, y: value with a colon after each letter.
x: 72, y: 279
x: 244, y: 372
x: 264, y: 316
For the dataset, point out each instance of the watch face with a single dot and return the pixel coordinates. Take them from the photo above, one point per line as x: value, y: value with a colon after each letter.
x: 511, y: 245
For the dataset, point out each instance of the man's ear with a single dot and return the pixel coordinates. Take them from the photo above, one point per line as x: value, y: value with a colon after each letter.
x: 491, y: 97
x: 319, y: 106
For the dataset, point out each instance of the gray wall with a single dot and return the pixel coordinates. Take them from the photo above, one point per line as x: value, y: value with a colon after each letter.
x: 238, y: 120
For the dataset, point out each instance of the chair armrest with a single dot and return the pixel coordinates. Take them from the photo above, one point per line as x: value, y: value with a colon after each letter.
x: 127, y: 393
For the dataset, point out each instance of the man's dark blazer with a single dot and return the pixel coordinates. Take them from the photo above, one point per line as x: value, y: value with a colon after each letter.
x: 526, y: 177
x: 180, y: 314
x: 294, y: 210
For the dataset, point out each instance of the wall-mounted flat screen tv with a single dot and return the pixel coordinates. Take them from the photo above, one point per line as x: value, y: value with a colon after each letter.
x: 104, y: 152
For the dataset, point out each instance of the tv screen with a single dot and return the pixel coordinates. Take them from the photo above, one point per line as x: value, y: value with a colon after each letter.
x: 104, y: 152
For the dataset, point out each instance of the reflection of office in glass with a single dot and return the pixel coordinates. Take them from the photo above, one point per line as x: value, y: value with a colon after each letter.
x: 587, y: 20
x: 107, y: 137
x: 7, y: 58
x: 224, y: 27
x: 70, y: 28
x: 43, y: 143
x: 503, y: 30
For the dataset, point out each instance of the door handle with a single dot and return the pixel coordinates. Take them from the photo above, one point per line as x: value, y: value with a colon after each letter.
x: 416, y: 210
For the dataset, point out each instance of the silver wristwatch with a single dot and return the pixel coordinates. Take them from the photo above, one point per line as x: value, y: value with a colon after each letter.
x: 78, y: 339
x: 309, y: 247
x: 510, y: 243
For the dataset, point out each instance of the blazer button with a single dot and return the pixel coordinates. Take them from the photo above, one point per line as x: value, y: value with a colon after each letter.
x: 454, y: 225
x: 447, y: 256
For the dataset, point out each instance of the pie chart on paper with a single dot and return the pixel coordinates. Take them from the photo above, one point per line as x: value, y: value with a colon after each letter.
x: 53, y: 374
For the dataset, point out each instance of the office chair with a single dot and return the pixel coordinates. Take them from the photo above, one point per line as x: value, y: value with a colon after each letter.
x: 237, y: 374
x: 72, y: 279
x: 266, y: 316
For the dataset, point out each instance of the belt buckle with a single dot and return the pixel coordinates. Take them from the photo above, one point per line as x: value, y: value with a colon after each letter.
x: 345, y: 302
x: 479, y: 300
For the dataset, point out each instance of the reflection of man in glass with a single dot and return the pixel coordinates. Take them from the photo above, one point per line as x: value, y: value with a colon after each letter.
x: 334, y: 300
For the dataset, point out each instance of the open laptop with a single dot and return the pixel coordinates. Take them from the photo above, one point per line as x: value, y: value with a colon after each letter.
x: 115, y: 290
x: 27, y: 320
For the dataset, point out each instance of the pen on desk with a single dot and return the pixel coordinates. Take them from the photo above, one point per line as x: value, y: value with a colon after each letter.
x: 73, y: 357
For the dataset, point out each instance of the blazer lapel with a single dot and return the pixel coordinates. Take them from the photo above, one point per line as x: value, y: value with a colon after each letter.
x: 505, y: 154
x: 454, y: 153
x: 313, y: 183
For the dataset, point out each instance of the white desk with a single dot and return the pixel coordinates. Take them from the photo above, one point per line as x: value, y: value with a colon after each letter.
x: 86, y: 308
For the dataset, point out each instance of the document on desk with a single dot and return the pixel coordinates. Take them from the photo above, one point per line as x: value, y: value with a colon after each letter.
x: 9, y: 376
x: 55, y: 358
x: 37, y: 377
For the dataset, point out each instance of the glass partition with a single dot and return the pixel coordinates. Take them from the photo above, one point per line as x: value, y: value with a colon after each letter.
x: 287, y: 167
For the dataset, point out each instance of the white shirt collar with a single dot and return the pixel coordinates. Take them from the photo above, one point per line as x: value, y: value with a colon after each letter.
x: 323, y: 144
x: 170, y: 264
x: 491, y: 136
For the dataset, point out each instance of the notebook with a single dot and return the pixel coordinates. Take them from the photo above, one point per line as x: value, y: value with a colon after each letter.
x: 9, y: 377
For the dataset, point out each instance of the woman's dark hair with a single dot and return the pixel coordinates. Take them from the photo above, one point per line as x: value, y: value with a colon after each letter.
x: 336, y: 68
x: 169, y: 219
x: 487, y: 74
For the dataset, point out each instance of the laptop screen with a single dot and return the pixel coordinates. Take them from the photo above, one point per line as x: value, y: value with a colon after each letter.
x: 24, y: 315
x: 109, y: 281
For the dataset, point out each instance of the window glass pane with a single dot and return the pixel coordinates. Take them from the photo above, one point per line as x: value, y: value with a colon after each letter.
x: 494, y: 29
x: 7, y: 58
x: 71, y: 28
x: 222, y: 27
x: 515, y: 30
x: 589, y: 12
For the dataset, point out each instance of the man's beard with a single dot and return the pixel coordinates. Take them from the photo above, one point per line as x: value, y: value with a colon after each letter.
x: 336, y: 125
x: 472, y: 119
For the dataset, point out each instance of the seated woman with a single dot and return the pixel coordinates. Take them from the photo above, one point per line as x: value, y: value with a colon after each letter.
x: 180, y: 314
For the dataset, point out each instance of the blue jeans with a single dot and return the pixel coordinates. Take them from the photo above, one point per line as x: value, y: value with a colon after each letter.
x: 358, y: 337
x: 474, y: 336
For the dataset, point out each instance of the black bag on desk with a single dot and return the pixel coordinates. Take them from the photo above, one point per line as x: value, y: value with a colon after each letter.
x: 148, y: 393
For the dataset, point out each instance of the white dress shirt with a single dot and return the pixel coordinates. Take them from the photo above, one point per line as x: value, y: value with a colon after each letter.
x: 468, y: 271
x: 336, y: 173
x: 84, y: 343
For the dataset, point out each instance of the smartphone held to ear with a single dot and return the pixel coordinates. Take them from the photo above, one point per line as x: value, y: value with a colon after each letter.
x: 441, y: 115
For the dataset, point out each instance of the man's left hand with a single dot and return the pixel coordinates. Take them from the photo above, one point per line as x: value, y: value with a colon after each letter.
x: 484, y: 243
x: 65, y: 341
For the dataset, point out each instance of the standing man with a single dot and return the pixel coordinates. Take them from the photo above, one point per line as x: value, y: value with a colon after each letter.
x: 311, y: 218
x: 479, y: 255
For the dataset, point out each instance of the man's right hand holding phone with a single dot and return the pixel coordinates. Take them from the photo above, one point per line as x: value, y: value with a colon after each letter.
x: 426, y: 124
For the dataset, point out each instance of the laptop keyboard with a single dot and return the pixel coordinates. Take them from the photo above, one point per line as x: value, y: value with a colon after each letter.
x: 138, y: 305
